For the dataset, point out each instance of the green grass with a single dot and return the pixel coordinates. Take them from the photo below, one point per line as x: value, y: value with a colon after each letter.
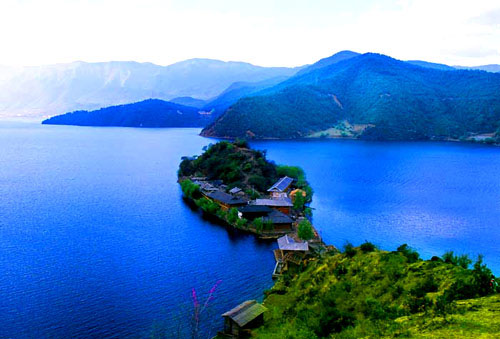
x: 365, y: 293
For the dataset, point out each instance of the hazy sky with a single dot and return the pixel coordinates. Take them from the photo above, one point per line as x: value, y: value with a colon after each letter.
x: 263, y: 32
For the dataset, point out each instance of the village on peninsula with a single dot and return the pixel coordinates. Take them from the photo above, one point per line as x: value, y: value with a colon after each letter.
x: 243, y: 202
x: 318, y: 289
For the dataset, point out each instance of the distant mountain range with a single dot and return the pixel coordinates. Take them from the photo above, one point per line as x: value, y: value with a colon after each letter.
x: 55, y: 89
x: 345, y: 95
x: 147, y: 113
x: 369, y: 96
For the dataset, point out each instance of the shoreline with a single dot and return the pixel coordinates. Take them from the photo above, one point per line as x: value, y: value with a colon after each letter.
x: 329, y: 138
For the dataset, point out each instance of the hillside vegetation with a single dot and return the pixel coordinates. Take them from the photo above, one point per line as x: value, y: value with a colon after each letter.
x: 148, y: 113
x: 233, y: 163
x: 366, y: 293
x: 397, y: 100
x: 237, y: 165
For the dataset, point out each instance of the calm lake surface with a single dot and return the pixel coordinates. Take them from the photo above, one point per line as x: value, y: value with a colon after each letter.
x: 96, y: 241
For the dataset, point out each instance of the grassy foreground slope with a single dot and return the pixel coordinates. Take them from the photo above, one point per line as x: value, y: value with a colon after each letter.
x: 367, y: 293
x: 394, y: 99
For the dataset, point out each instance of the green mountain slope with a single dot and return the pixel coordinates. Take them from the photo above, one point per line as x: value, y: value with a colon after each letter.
x: 381, y: 97
x: 237, y: 91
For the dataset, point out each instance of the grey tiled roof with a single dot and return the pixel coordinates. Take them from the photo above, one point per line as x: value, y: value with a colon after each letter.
x: 276, y: 217
x: 285, y: 202
x: 287, y: 243
x: 245, y: 312
x: 235, y: 190
x: 255, y: 209
x: 226, y: 198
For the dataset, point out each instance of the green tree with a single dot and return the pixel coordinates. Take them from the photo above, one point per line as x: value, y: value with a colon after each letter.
x: 242, y: 223
x: 410, y: 254
x: 305, y: 231
x: 190, y: 189
x: 232, y: 216
x: 483, y: 278
x: 268, y: 225
x: 258, y: 224
x: 299, y: 201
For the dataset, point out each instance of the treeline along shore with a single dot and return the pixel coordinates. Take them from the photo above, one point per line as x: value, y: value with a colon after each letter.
x: 323, y: 292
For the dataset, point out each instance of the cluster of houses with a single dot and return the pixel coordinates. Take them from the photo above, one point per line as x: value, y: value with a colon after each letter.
x: 275, y: 209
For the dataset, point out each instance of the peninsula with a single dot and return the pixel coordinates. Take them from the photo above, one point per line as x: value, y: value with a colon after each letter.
x: 322, y: 292
x: 241, y: 188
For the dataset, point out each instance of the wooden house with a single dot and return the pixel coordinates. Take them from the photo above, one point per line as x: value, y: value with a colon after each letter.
x: 243, y: 317
x: 281, y: 221
x: 291, y: 250
x: 225, y: 201
x: 288, y: 251
x: 281, y: 188
x: 283, y: 205
x: 252, y: 212
x: 236, y: 190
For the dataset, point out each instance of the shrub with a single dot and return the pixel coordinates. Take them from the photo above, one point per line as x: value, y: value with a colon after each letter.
x: 208, y: 206
x: 242, y: 223
x: 334, y: 320
x: 232, y: 216
x: 462, y: 288
x: 290, y: 171
x: 374, y: 309
x: 190, y: 189
x: 299, y: 202
x: 339, y: 270
x: 410, y: 254
x: 367, y: 247
x: 253, y: 194
x: 268, y: 225
x: 449, y: 258
x: 349, y: 250
x: 242, y: 143
x: 258, y: 224
x: 186, y: 167
x: 462, y: 260
x: 308, y: 212
x: 305, y: 231
x: 482, y: 278
x: 258, y: 182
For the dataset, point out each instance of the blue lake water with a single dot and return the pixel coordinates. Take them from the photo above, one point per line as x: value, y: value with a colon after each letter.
x: 96, y: 241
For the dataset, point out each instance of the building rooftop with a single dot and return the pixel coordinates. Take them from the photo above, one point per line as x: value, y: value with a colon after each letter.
x: 226, y: 198
x: 245, y: 312
x: 277, y: 217
x: 205, y: 186
x: 235, y: 190
x: 287, y: 243
x: 285, y: 202
x: 255, y: 209
x: 281, y: 185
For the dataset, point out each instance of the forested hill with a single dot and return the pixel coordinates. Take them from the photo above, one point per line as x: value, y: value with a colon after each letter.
x: 147, y: 113
x: 369, y: 96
